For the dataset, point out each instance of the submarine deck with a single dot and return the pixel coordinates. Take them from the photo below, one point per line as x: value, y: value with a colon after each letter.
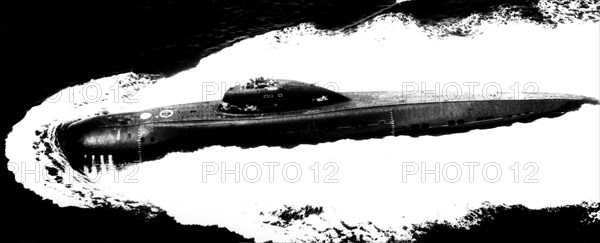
x: 208, y: 111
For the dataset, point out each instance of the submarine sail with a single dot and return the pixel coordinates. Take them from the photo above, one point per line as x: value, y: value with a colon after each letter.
x: 269, y: 95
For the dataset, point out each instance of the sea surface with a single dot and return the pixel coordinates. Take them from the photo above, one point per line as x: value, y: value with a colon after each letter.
x: 91, y: 57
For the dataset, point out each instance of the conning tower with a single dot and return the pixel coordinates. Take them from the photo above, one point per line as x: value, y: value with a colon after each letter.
x: 262, y: 95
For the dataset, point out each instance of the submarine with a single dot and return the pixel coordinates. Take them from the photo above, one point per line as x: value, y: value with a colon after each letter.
x: 287, y: 113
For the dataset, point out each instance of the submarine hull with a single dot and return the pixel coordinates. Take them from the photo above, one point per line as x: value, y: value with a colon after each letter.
x: 96, y: 142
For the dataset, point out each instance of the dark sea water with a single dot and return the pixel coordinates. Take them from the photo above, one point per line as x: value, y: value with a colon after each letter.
x: 46, y: 46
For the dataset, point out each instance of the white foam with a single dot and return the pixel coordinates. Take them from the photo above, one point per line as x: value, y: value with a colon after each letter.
x: 381, y: 55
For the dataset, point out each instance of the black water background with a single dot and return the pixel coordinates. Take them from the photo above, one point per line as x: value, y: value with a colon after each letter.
x: 46, y: 46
